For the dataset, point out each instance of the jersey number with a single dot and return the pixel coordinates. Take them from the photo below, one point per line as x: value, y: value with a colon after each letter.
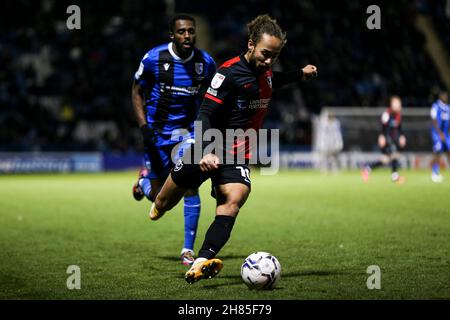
x: 245, y: 173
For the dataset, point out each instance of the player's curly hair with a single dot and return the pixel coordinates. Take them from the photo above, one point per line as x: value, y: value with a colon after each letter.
x: 179, y: 16
x: 265, y: 24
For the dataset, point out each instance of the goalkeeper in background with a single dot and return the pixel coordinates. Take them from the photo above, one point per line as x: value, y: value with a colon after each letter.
x: 391, y: 140
x: 329, y: 141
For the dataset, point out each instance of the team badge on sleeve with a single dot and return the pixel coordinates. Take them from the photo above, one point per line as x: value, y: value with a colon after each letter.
x: 217, y: 80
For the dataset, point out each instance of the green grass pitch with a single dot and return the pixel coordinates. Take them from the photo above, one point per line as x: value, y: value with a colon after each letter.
x: 325, y: 230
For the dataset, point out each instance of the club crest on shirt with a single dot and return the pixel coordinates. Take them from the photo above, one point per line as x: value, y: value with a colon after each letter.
x: 199, y: 67
x: 217, y: 80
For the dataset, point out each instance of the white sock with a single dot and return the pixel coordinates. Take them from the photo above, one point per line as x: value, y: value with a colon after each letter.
x: 186, y: 250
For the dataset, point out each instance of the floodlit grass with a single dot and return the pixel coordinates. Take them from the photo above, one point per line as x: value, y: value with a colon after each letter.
x: 324, y: 229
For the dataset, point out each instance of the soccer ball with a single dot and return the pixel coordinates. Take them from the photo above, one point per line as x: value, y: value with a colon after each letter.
x: 261, y: 271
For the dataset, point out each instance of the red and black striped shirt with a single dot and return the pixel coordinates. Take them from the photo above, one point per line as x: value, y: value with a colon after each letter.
x: 238, y: 98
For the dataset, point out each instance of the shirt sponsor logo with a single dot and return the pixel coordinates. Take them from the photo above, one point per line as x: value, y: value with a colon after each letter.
x: 252, y: 104
x: 217, y: 80
x: 259, y: 104
x: 179, y: 90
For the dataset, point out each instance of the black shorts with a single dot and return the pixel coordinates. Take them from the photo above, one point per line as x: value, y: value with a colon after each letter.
x: 190, y: 176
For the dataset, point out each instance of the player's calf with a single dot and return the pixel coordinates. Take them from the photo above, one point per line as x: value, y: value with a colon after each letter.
x: 167, y: 198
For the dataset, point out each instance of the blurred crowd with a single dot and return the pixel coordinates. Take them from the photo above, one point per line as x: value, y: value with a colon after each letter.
x: 69, y: 90
x: 439, y: 11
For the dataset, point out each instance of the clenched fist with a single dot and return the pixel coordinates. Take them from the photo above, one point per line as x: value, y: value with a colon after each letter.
x: 209, y: 162
x: 309, y: 71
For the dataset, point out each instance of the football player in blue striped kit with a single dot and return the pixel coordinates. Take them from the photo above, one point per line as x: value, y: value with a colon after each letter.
x: 166, y: 94
x: 440, y: 134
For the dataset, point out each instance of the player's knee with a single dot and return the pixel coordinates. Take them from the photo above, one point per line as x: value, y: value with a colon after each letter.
x: 230, y: 208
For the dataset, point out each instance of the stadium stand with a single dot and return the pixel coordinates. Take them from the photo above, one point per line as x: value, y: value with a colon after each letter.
x: 70, y: 90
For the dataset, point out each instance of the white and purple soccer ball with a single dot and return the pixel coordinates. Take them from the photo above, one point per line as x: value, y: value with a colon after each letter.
x: 261, y: 271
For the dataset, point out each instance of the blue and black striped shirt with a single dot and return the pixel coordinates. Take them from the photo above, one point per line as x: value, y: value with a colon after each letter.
x: 172, y: 88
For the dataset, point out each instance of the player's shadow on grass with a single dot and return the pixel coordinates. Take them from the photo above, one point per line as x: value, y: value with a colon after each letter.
x: 231, y: 257
x: 224, y: 258
x: 314, y: 273
x: 234, y: 280
x: 169, y: 258
x: 237, y: 280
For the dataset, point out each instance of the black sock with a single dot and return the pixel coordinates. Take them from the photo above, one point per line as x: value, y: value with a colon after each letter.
x: 394, y: 165
x: 216, y: 236
x: 375, y: 165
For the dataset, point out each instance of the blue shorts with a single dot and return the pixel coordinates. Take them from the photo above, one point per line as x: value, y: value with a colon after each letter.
x: 439, y: 145
x: 164, y: 158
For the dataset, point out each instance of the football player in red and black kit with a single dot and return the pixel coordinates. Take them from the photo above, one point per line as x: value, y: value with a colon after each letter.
x: 237, y: 98
x: 390, y: 141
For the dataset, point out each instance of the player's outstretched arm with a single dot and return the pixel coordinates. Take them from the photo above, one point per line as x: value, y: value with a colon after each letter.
x: 137, y: 100
x: 139, y: 112
x: 282, y: 78
x: 220, y: 88
x: 148, y: 136
x: 210, y: 161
